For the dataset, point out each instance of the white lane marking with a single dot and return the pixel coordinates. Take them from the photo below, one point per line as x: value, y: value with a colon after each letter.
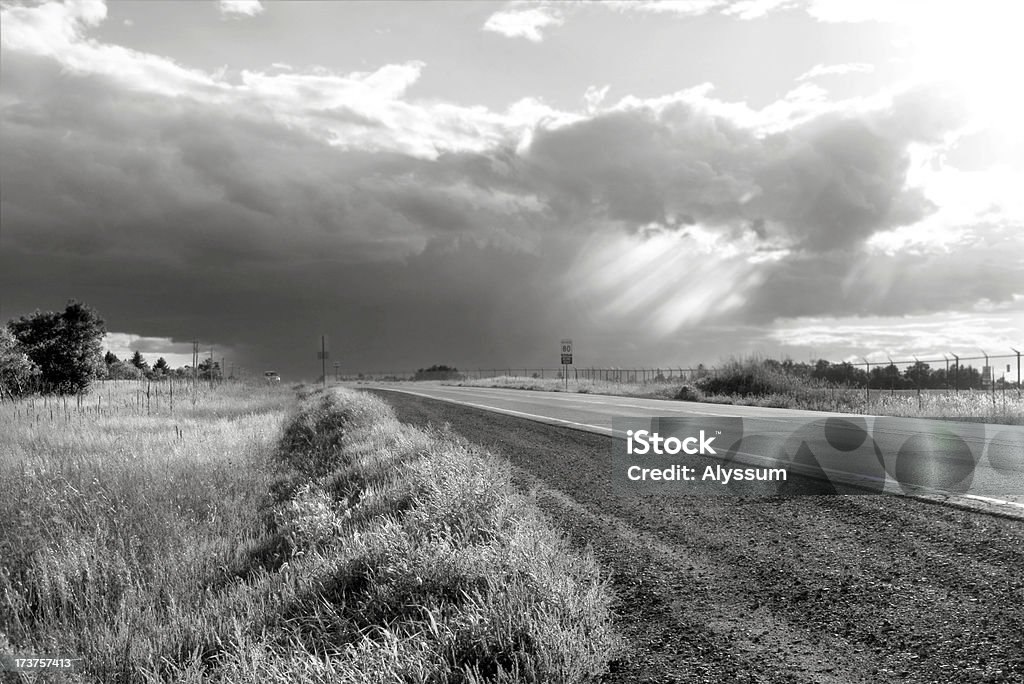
x: 666, y: 404
x: 533, y: 416
x: 600, y: 429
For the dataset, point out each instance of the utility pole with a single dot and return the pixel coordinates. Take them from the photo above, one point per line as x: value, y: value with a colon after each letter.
x: 337, y: 378
x: 323, y: 360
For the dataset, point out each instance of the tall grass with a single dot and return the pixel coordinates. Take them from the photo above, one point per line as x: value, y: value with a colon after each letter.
x: 114, y: 522
x: 236, y: 543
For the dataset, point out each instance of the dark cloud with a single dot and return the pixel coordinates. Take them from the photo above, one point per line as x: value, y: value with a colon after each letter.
x: 829, y: 183
x: 870, y: 283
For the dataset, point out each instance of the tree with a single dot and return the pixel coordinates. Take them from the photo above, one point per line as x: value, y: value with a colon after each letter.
x: 110, y: 358
x: 207, y: 368
x: 139, y: 361
x: 16, y: 370
x: 161, y: 366
x: 918, y: 375
x: 67, y: 346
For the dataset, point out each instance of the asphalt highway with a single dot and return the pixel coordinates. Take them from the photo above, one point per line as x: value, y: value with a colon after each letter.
x: 977, y: 465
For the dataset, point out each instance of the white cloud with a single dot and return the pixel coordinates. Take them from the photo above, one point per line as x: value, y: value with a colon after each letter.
x: 58, y: 31
x: 362, y: 109
x: 594, y: 96
x: 247, y: 8
x: 744, y: 9
x: 686, y: 8
x: 836, y: 70
x: 753, y: 9
x: 927, y: 336
x: 524, y: 23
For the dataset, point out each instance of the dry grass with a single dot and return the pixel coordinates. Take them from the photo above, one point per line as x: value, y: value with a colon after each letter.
x: 231, y: 543
x: 114, y: 522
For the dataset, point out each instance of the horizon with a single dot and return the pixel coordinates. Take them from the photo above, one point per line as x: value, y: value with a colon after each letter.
x: 788, y: 179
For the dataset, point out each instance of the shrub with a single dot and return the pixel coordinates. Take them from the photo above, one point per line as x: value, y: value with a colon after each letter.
x: 438, y: 372
x: 17, y: 372
x: 751, y: 378
x: 688, y: 393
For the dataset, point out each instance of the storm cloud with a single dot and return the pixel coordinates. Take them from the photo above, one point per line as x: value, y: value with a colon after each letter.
x: 258, y: 215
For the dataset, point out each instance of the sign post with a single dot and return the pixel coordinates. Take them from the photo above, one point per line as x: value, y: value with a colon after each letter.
x: 566, y: 360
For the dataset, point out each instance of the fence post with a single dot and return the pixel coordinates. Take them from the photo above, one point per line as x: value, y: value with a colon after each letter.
x: 991, y: 378
x: 867, y: 383
x: 917, y: 375
x: 1018, y: 370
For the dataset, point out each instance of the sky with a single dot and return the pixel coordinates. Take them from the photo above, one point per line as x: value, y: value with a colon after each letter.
x: 468, y: 183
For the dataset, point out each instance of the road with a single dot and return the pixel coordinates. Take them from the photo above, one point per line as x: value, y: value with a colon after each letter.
x: 979, y: 466
x: 804, y: 589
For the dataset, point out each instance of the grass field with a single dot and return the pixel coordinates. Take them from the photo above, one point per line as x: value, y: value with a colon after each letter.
x: 1001, y: 407
x: 243, y: 539
x: 114, y: 523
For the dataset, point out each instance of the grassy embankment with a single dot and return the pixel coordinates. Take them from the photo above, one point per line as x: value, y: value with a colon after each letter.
x: 750, y: 383
x: 231, y: 542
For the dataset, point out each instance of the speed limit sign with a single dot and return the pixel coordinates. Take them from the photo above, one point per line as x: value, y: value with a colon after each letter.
x: 566, y: 352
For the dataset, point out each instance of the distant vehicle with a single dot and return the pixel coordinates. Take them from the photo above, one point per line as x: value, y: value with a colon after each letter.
x: 271, y: 377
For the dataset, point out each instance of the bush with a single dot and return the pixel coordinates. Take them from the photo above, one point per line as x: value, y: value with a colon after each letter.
x: 438, y: 372
x: 688, y: 393
x: 751, y: 378
x: 17, y: 372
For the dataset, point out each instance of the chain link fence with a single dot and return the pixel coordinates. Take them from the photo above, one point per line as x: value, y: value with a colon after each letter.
x: 952, y: 373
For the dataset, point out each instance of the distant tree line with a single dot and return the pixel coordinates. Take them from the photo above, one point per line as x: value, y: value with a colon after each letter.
x: 889, y: 376
x: 62, y: 353
x: 137, y: 368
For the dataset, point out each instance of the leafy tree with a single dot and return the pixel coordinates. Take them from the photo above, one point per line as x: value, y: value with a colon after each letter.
x: 139, y: 361
x: 207, y: 368
x: 16, y: 370
x: 917, y: 375
x: 110, y: 358
x: 66, y: 346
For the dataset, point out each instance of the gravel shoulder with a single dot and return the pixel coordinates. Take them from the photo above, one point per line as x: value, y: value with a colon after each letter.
x: 798, y: 589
